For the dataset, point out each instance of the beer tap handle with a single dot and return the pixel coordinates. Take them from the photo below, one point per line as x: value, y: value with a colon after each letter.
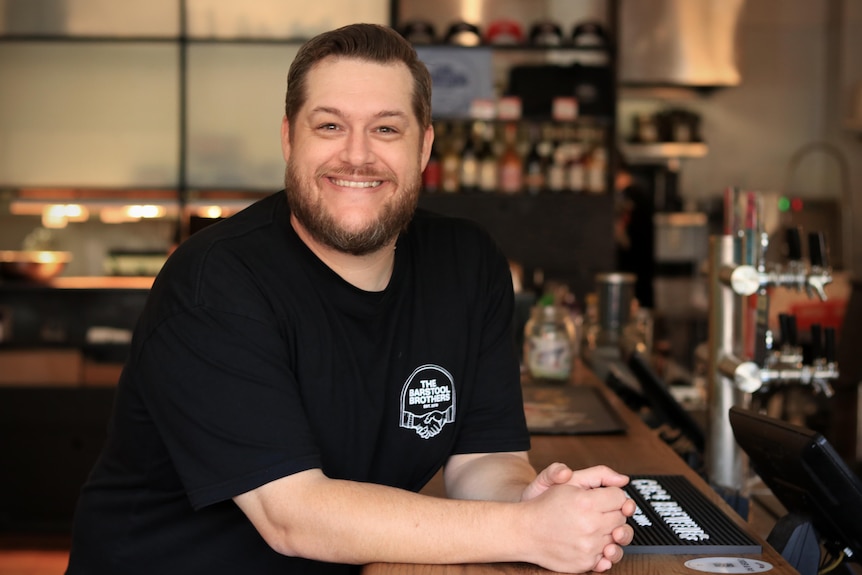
x: 816, y: 342
x: 817, y: 252
x: 787, y: 323
x: 829, y: 332
x: 783, y: 328
x: 794, y: 243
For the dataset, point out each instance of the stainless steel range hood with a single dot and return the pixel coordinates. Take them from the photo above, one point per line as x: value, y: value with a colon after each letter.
x: 680, y: 43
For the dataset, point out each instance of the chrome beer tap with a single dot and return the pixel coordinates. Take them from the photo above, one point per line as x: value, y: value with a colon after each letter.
x: 746, y: 279
x: 786, y: 364
x: 737, y: 372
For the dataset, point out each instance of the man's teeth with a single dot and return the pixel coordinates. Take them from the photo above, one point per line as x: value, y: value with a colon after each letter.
x: 354, y: 184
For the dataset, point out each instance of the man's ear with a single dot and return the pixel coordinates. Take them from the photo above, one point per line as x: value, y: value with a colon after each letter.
x: 427, y: 142
x: 285, y: 138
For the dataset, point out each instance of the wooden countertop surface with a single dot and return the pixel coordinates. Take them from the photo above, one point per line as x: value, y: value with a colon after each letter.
x: 639, y: 451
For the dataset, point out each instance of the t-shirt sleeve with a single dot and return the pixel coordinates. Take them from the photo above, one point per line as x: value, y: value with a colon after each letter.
x: 219, y: 388
x: 494, y: 420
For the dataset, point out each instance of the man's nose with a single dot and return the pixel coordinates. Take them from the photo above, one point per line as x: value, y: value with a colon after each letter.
x: 358, y: 149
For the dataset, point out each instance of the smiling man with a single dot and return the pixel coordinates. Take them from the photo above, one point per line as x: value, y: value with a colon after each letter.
x: 303, y: 368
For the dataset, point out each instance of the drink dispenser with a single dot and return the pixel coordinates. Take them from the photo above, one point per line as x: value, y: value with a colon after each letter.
x: 745, y: 356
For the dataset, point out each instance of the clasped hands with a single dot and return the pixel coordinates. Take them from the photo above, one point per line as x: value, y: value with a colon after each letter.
x: 583, y: 517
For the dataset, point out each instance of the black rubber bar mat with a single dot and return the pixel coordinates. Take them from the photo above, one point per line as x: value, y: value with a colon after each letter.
x: 569, y: 409
x: 675, y: 518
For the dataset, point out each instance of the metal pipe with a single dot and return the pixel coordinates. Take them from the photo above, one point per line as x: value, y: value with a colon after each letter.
x: 725, y: 463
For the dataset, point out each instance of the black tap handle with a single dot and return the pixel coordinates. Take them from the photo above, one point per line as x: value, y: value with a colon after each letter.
x: 783, y: 327
x: 787, y: 323
x: 829, y: 332
x: 816, y: 341
x: 817, y: 251
x: 794, y: 243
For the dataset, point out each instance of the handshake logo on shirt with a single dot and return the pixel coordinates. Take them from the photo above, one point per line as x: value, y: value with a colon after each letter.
x: 428, y: 401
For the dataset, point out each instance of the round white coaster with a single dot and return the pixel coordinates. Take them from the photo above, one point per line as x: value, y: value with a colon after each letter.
x: 728, y: 565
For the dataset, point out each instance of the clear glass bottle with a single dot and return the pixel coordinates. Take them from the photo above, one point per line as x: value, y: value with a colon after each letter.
x: 549, y: 343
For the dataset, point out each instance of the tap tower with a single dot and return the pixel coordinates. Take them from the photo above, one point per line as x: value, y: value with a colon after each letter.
x: 747, y: 355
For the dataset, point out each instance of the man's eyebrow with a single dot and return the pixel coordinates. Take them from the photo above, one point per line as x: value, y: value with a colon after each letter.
x: 326, y: 110
x: 391, y: 114
x: 340, y: 114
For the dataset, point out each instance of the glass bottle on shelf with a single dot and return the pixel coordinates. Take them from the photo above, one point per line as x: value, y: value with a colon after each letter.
x: 534, y: 165
x: 557, y: 165
x: 469, y: 174
x: 511, y: 164
x: 489, y: 181
x: 576, y: 168
x: 596, y: 171
x: 451, y: 163
x: 432, y: 175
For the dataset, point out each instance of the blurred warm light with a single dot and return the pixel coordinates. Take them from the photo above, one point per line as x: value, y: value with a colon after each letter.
x: 210, y: 212
x: 59, y: 215
x: 471, y: 11
x: 44, y: 257
x: 134, y: 213
x: 76, y: 212
x: 26, y: 209
x: 122, y: 208
x: 114, y: 215
x: 53, y: 221
x: 148, y: 211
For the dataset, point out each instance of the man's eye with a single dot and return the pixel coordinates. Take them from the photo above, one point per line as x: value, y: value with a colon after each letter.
x: 387, y: 130
x: 328, y: 127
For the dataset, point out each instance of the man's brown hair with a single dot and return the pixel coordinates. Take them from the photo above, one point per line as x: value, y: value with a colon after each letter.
x: 371, y: 42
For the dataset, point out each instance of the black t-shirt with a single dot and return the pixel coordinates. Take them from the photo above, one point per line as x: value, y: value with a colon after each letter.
x: 253, y: 360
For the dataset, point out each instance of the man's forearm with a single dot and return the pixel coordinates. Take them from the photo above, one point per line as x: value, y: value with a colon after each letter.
x: 349, y: 522
x: 488, y: 476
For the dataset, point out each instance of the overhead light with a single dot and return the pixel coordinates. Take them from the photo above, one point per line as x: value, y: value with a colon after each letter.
x: 59, y: 215
x: 131, y: 213
x: 145, y: 212
x: 211, y: 212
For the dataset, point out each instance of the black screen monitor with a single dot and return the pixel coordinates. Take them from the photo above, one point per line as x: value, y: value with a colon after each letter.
x: 806, y: 475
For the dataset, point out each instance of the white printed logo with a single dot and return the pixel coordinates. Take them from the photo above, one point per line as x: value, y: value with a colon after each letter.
x: 428, y: 401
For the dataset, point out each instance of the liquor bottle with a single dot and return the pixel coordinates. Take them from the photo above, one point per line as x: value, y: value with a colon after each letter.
x: 451, y: 164
x: 534, y: 166
x: 576, y: 168
x: 596, y: 171
x: 469, y: 175
x: 431, y: 177
x: 557, y: 167
x: 511, y: 164
x: 489, y: 181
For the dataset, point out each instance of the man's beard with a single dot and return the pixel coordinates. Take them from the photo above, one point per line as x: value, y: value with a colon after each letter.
x: 324, y: 228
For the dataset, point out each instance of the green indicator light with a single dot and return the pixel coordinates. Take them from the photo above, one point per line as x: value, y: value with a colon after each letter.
x: 783, y: 204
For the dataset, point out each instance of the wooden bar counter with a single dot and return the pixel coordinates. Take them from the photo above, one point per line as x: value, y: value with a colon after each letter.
x: 638, y: 451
